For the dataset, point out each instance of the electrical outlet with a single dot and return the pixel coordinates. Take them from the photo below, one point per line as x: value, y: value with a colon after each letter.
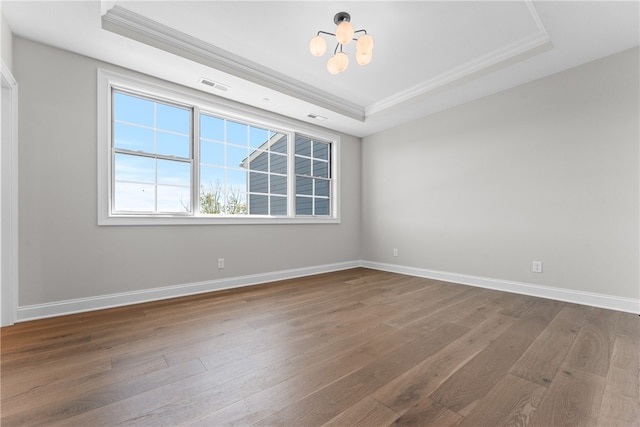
x: 220, y: 262
x: 537, y: 267
x: 395, y: 252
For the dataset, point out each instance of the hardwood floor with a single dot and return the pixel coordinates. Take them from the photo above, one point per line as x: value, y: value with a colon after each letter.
x: 356, y: 347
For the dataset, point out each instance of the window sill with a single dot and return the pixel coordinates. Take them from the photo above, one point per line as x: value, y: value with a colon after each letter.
x: 208, y: 220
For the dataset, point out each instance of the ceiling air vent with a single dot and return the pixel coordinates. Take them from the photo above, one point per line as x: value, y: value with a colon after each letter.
x: 213, y: 84
x: 316, y: 117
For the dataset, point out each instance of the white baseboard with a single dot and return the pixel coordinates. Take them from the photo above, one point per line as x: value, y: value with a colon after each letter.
x: 60, y: 308
x: 610, y: 302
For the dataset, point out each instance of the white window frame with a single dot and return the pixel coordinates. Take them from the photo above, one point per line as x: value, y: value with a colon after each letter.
x: 109, y: 80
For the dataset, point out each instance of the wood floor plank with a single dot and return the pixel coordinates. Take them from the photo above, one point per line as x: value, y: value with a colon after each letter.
x: 428, y: 413
x: 572, y: 399
x: 463, y: 390
x: 594, y: 345
x: 628, y: 325
x: 471, y: 311
x: 254, y: 397
x: 353, y: 347
x: 366, y: 413
x: 407, y: 389
x: 618, y: 411
x: 19, y: 380
x: 112, y: 393
x: 47, y: 395
x: 621, y: 400
x: 624, y: 373
x: 327, y: 402
x: 88, y: 346
x: 542, y: 359
x: 447, y: 296
x: 511, y: 402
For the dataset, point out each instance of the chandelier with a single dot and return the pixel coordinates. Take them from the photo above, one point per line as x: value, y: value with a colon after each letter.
x: 344, y: 35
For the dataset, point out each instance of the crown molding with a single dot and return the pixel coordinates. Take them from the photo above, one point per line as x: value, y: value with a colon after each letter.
x: 137, y: 27
x: 480, y: 64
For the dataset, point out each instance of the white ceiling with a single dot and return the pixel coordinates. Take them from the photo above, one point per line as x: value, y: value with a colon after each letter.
x: 428, y: 56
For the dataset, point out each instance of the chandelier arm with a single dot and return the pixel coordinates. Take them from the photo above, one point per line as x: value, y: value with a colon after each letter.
x: 336, y: 49
x: 356, y: 32
x: 324, y: 32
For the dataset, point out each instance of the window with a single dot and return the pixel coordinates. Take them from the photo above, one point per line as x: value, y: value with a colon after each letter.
x: 169, y: 158
x: 151, y: 156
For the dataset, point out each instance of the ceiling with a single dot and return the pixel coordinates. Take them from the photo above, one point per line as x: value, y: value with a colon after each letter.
x: 428, y: 55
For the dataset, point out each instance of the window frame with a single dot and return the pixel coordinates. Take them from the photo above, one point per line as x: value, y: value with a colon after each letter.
x: 202, y: 103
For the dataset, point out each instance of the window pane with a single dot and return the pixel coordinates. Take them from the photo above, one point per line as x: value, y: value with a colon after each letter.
x: 133, y: 138
x: 304, y: 185
x: 212, y: 153
x: 278, y: 205
x: 304, y: 206
x: 211, y: 127
x: 134, y: 197
x: 236, y: 156
x: 258, y: 204
x: 322, y: 206
x: 258, y: 183
x: 235, y: 203
x: 320, y: 169
x: 171, y: 144
x: 172, y: 118
x: 127, y: 108
x: 237, y: 180
x: 303, y: 166
x: 259, y: 161
x: 322, y: 187
x: 258, y: 137
x: 278, y: 163
x: 278, y: 184
x: 237, y: 133
x: 134, y: 168
x: 281, y: 145
x: 303, y: 146
x: 174, y: 199
x: 211, y: 199
x: 320, y: 150
x: 172, y: 172
x: 211, y: 178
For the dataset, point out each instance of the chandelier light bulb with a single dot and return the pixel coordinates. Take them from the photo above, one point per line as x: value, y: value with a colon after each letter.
x: 338, y: 63
x: 318, y: 46
x: 332, y: 67
x: 365, y: 43
x: 363, y: 58
x: 344, y: 32
x: 342, y: 61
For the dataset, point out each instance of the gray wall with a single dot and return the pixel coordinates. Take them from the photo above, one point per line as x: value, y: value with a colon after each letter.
x: 546, y: 171
x: 65, y: 255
